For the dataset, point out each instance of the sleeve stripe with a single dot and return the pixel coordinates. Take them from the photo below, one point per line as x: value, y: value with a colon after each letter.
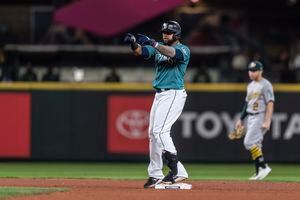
x: 178, y: 55
x: 145, y: 53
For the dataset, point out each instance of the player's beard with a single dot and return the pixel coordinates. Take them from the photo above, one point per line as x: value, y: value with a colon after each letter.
x: 170, y: 42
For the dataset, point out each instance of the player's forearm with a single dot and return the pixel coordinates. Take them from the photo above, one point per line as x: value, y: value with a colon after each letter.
x: 166, y: 50
x: 136, y: 48
x: 138, y: 51
x: 269, y: 112
x: 244, y: 111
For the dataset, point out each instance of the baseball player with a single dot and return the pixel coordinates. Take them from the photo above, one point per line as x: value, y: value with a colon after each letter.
x: 171, y: 60
x: 259, y: 109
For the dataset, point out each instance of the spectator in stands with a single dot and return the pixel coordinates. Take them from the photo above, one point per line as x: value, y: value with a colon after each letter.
x: 296, y: 61
x: 201, y: 76
x: 239, y: 65
x: 78, y: 74
x: 57, y: 34
x: 2, y: 56
x: 9, y: 73
x: 189, y: 15
x: 80, y: 37
x: 60, y: 34
x: 240, y: 61
x: 29, y: 75
x: 6, y: 33
x: 287, y: 75
x: 206, y: 31
x: 263, y: 58
x: 50, y: 76
x: 113, y: 76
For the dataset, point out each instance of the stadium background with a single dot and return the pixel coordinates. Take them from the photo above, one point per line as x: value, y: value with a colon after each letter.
x: 86, y: 113
x: 74, y: 101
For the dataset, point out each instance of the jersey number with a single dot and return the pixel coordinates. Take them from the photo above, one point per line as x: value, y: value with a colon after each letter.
x: 255, y: 106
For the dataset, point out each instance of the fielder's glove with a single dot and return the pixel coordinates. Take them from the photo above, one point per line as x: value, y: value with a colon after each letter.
x: 145, y: 40
x: 238, y: 133
x: 129, y: 38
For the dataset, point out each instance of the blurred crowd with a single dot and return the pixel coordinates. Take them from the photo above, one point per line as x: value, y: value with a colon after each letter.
x: 278, y: 50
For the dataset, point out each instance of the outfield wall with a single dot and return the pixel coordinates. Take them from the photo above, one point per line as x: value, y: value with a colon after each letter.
x: 88, y: 121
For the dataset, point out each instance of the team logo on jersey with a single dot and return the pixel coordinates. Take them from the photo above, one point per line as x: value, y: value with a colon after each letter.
x: 161, y: 58
x: 164, y: 59
x: 254, y: 95
x: 133, y: 124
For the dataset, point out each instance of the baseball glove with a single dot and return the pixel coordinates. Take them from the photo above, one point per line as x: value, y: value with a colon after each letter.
x: 238, y: 133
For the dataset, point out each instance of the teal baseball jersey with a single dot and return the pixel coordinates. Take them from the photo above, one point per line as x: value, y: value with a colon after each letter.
x: 169, y: 73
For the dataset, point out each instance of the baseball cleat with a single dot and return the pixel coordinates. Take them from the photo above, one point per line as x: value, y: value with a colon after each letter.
x: 170, y: 179
x: 253, y: 177
x: 179, y: 178
x: 151, y: 182
x: 263, y: 172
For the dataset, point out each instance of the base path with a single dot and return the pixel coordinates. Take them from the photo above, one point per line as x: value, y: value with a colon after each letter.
x: 90, y: 189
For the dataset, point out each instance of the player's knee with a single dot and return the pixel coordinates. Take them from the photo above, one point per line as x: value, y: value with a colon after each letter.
x: 156, y: 137
x: 151, y: 138
x: 150, y: 134
x: 155, y: 134
x: 248, y: 144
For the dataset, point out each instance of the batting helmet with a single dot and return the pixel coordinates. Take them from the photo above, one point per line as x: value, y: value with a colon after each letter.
x: 173, y: 27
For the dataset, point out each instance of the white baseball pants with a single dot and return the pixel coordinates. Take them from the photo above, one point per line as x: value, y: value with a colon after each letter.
x: 166, y: 108
x: 255, y: 134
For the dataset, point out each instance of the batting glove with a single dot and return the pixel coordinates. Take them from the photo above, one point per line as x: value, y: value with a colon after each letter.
x: 145, y: 40
x: 129, y: 38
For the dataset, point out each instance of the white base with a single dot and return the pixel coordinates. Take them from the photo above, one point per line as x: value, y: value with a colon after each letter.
x: 175, y: 186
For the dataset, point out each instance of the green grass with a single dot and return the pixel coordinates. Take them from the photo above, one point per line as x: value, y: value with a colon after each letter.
x: 17, y: 191
x: 280, y: 172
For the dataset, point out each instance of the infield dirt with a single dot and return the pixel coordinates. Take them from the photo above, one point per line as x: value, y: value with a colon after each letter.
x: 92, y: 189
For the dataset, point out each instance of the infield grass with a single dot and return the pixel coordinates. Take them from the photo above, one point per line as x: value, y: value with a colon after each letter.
x: 197, y: 171
x: 17, y: 191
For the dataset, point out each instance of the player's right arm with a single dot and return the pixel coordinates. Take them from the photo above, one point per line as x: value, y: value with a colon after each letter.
x: 135, y: 47
x: 174, y: 53
x: 243, y: 116
x: 138, y: 50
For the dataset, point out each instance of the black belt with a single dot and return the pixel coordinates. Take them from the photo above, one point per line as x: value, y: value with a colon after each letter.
x: 159, y: 90
x: 254, y: 113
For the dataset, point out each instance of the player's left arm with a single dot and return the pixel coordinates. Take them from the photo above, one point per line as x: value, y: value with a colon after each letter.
x: 174, y: 53
x: 268, y: 115
x: 166, y: 50
x: 269, y: 97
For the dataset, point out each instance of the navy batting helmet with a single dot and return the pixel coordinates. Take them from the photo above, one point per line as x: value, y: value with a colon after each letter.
x: 173, y: 27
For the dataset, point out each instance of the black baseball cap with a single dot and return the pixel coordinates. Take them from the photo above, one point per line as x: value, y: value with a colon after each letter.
x: 255, y: 66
